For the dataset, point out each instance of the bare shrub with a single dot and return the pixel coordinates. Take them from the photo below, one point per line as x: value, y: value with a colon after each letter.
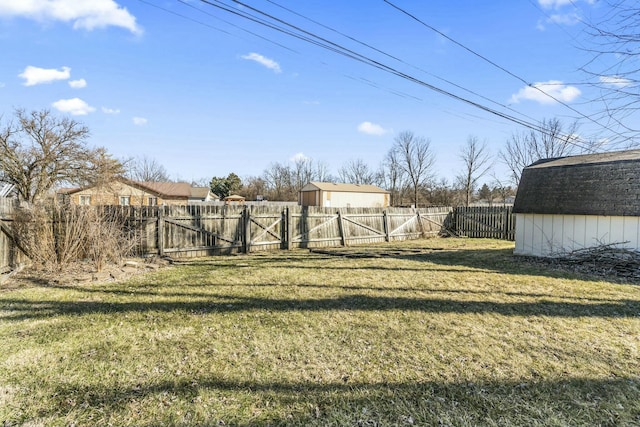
x: 55, y: 236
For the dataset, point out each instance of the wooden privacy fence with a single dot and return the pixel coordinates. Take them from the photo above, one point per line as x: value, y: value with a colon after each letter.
x: 484, y: 222
x: 199, y: 230
x: 213, y: 229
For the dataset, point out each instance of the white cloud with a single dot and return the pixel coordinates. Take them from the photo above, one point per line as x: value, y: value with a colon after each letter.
x: 36, y: 75
x: 78, y: 84
x: 73, y: 106
x: 371, y: 129
x: 548, y: 4
x: 557, y: 4
x: 110, y: 110
x: 267, y: 62
x: 299, y: 157
x: 615, y: 81
x: 140, y: 121
x: 545, y: 92
x: 564, y: 18
x: 84, y: 14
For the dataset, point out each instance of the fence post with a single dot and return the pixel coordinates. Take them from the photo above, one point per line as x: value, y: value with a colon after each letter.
x: 343, y: 238
x: 420, y: 225
x: 246, y: 235
x: 160, y: 231
x: 385, y: 221
x: 288, y: 232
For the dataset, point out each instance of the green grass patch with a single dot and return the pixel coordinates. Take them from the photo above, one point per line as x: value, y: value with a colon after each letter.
x: 451, y: 332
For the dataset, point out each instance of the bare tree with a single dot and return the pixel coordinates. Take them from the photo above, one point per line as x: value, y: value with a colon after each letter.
x: 615, y: 48
x: 356, y: 171
x: 302, y: 172
x: 392, y: 177
x: 254, y: 188
x: 279, y: 182
x: 477, y: 162
x: 147, y: 169
x: 322, y: 173
x: 39, y: 151
x: 415, y: 159
x: 551, y: 140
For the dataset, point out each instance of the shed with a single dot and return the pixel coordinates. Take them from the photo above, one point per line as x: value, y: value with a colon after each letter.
x: 329, y: 194
x: 569, y: 203
x: 234, y: 199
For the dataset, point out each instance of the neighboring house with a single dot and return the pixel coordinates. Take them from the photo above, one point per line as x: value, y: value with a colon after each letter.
x: 126, y: 192
x: 576, y: 202
x: 330, y: 195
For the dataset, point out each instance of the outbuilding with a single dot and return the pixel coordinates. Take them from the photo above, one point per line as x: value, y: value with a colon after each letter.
x: 569, y: 203
x: 333, y: 195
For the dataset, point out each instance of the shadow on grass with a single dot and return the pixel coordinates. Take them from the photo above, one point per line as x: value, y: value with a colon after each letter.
x: 463, y: 260
x: 21, y: 309
x: 217, y: 291
x: 564, y: 402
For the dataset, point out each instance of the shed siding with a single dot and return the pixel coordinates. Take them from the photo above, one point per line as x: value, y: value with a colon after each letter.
x: 336, y: 199
x: 549, y: 235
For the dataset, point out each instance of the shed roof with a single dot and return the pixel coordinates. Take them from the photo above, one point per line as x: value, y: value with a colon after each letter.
x: 593, y: 184
x: 346, y: 188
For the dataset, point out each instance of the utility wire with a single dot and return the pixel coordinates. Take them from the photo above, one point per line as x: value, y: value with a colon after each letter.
x: 336, y: 48
x: 306, y: 36
x: 534, y: 86
x: 397, y: 59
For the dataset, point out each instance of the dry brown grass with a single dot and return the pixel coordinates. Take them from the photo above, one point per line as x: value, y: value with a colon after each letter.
x: 437, y: 332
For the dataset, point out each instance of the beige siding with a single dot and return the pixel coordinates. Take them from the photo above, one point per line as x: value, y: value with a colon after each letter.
x: 110, y: 195
x: 337, y: 199
x: 550, y: 235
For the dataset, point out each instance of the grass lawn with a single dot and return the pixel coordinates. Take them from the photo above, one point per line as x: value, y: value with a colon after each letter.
x: 452, y: 332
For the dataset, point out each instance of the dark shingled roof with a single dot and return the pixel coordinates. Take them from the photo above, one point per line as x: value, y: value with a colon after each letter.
x: 592, y: 184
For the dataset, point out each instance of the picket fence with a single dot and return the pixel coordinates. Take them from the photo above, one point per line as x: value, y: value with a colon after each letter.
x: 200, y: 230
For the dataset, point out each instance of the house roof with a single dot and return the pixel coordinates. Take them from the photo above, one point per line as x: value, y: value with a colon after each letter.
x: 166, y: 190
x: 201, y: 193
x: 592, y: 184
x: 345, y: 188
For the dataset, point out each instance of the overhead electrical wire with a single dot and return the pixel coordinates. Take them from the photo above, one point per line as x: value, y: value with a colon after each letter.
x: 337, y: 48
x: 297, y: 32
x: 484, y: 58
x: 369, y: 46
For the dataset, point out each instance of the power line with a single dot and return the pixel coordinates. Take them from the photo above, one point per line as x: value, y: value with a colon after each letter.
x: 336, y: 48
x: 314, y: 39
x: 531, y: 85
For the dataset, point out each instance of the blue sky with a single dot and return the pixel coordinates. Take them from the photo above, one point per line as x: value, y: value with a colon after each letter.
x: 206, y: 93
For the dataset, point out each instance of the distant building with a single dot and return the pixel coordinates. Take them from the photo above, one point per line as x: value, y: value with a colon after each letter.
x: 126, y: 192
x: 234, y: 199
x: 332, y: 195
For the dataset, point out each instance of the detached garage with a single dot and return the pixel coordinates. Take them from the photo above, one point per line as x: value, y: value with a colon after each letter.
x: 331, y: 195
x: 576, y: 202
